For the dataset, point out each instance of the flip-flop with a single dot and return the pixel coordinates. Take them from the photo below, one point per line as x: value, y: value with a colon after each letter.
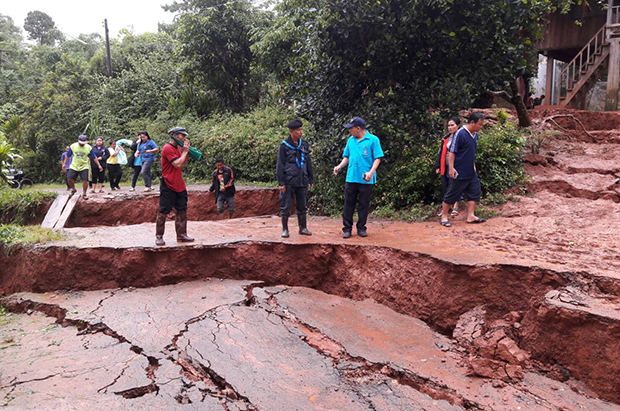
x: 478, y: 221
x: 454, y: 212
x: 446, y: 223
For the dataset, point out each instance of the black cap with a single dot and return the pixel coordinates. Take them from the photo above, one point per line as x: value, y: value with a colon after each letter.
x: 177, y: 130
x: 356, y: 121
x: 293, y: 124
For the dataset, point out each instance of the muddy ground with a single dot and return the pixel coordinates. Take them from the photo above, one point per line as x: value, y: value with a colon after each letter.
x: 519, y: 313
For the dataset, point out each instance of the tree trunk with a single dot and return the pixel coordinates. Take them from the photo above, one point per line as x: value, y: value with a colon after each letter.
x: 517, y: 101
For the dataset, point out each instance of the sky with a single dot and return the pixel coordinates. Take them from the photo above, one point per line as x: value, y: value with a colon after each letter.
x: 75, y: 17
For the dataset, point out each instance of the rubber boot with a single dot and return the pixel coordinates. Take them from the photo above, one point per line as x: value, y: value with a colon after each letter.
x: 180, y: 223
x: 285, y: 226
x: 303, y: 229
x: 160, y: 227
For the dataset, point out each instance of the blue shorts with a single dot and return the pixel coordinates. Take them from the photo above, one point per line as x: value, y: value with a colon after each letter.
x: 456, y: 188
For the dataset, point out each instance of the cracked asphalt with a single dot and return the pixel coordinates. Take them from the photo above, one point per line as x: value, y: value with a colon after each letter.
x: 240, y: 345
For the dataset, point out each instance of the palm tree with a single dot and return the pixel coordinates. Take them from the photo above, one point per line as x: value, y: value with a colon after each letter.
x: 7, y: 158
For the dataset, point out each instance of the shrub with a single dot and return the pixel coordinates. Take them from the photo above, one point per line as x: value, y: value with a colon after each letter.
x: 502, y: 116
x: 247, y: 143
x: 499, y: 158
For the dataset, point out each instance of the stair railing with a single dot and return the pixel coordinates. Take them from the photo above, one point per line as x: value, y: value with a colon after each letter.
x: 613, y: 15
x: 577, y: 67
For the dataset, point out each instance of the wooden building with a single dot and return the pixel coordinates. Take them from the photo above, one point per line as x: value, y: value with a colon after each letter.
x: 588, y: 52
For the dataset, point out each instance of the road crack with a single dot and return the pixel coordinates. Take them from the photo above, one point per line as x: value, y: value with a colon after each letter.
x: 84, y: 327
x: 354, y: 370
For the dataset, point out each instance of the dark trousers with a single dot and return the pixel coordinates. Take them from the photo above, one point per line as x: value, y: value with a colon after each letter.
x: 445, y: 184
x: 116, y: 173
x: 136, y: 173
x: 169, y: 199
x: 360, y: 194
x: 301, y: 200
x: 67, y: 181
x: 97, y: 176
x: 221, y: 199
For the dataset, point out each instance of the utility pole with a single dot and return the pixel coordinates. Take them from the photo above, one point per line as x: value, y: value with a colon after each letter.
x: 107, y: 47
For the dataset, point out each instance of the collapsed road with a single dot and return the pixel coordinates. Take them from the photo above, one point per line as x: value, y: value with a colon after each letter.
x: 521, y: 313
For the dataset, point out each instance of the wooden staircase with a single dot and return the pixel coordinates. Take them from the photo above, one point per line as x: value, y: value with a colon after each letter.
x: 582, y: 72
x: 601, y: 55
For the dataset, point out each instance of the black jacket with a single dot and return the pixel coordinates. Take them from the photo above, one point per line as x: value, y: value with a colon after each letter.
x: 102, y: 152
x: 287, y: 169
x: 229, y: 183
x: 131, y: 158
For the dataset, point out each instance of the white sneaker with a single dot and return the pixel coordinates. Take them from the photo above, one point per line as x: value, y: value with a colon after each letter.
x: 146, y: 189
x: 132, y: 189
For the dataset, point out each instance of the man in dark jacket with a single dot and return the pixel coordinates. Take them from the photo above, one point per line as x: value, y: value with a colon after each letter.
x: 224, y: 187
x: 294, y: 171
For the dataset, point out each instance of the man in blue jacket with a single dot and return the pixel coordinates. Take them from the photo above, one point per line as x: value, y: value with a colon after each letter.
x: 462, y: 170
x: 362, y: 155
x: 295, y: 175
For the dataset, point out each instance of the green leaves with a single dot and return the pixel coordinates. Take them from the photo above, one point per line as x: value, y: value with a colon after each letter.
x: 42, y: 28
x: 216, y: 40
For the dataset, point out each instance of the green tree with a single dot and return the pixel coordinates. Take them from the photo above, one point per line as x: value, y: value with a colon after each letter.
x: 12, y: 53
x: 146, y: 78
x: 54, y: 116
x: 214, y: 38
x: 42, y: 28
x: 403, y: 65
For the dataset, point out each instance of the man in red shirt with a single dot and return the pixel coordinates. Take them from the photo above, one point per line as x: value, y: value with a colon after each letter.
x: 172, y: 190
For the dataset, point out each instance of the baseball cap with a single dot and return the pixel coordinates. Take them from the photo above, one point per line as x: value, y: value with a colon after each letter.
x: 177, y: 130
x: 82, y: 138
x: 356, y: 121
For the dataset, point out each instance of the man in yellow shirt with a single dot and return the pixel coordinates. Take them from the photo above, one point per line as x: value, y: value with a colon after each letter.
x: 81, y: 154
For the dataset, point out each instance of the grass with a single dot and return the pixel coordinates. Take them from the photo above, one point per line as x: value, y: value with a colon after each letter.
x: 417, y: 213
x: 272, y: 184
x: 3, y: 316
x: 18, y: 206
x: 485, y: 212
x: 48, y: 186
x: 12, y: 234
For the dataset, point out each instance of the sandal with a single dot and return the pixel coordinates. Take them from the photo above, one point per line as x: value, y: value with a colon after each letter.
x: 446, y: 223
x: 478, y: 221
x: 454, y: 212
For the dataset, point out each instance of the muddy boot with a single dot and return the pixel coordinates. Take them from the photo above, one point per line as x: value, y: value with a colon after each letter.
x: 180, y: 223
x: 303, y: 230
x: 285, y: 226
x: 160, y: 227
